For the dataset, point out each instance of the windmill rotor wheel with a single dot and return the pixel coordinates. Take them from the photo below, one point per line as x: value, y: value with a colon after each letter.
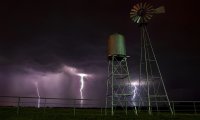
x: 141, y: 12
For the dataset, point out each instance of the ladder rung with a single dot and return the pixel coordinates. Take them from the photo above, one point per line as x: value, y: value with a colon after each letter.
x: 123, y: 94
x: 121, y: 77
x: 119, y: 85
x: 120, y: 74
x: 152, y: 60
x: 158, y: 95
x: 155, y: 77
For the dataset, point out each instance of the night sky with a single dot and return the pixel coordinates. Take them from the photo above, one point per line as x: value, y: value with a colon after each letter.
x: 48, y: 42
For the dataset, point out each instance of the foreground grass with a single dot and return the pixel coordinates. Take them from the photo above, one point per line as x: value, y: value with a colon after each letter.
x: 10, y: 113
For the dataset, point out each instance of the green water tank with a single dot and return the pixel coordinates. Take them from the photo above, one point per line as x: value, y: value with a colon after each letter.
x: 116, y: 46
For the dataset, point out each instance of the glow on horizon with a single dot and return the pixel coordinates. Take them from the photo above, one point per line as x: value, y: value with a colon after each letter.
x: 137, y: 83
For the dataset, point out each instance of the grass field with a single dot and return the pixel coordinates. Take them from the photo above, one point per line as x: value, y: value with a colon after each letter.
x: 30, y: 113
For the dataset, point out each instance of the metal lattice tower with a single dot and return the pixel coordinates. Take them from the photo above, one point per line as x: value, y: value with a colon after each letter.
x: 153, y: 92
x: 119, y: 91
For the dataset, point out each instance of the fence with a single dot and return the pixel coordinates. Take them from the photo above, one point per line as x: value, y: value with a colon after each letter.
x: 75, y: 105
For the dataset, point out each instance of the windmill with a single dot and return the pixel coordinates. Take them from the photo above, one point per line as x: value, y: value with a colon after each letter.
x: 153, y: 94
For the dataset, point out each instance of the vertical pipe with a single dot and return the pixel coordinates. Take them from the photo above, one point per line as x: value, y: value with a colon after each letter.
x: 146, y: 67
x: 126, y: 106
x: 107, y: 85
x: 141, y: 60
x: 112, y: 112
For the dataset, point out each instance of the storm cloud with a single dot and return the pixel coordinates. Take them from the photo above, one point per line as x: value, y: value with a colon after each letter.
x: 39, y: 39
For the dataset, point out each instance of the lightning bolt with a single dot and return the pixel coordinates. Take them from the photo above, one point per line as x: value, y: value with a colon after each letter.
x: 38, y: 94
x: 82, y: 86
x: 134, y: 84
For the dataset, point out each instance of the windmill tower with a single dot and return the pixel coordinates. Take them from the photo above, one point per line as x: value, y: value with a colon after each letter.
x: 119, y: 93
x: 153, y: 94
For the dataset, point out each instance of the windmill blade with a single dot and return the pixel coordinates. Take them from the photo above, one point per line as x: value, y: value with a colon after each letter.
x: 138, y: 20
x: 132, y: 16
x: 159, y: 10
x: 145, y: 19
x: 144, y: 6
x: 133, y: 13
x: 149, y: 6
x: 137, y: 6
x: 141, y: 5
x: 149, y: 16
x: 132, y: 19
x: 151, y: 12
x: 133, y: 10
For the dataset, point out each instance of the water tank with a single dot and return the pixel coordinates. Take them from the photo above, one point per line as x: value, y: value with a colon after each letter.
x: 116, y: 46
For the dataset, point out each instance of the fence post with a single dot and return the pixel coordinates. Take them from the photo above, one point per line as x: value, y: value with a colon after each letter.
x: 101, y: 111
x: 18, y: 105
x: 173, y: 108
x: 126, y: 106
x: 74, y: 107
x: 45, y: 105
x: 195, y: 110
